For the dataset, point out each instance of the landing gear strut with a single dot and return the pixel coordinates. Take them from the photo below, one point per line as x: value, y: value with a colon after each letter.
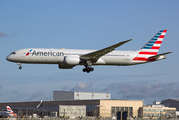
x: 88, y: 69
x: 20, y: 67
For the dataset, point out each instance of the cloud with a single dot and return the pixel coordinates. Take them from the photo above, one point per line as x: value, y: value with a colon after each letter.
x: 2, y: 34
x: 36, y: 95
x: 131, y: 90
x: 1, y: 93
x: 65, y: 88
x: 144, y: 90
x: 82, y: 86
x: 110, y: 87
x: 16, y: 97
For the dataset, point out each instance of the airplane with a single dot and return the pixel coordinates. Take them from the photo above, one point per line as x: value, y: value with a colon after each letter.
x: 69, y: 58
x: 7, y: 113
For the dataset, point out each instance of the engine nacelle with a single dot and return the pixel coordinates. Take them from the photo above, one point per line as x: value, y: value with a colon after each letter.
x: 62, y: 66
x: 71, y: 60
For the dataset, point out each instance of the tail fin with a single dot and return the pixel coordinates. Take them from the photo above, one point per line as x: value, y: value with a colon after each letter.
x: 153, y: 46
x: 9, y: 111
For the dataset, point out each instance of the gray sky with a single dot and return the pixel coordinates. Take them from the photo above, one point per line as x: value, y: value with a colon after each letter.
x: 88, y: 24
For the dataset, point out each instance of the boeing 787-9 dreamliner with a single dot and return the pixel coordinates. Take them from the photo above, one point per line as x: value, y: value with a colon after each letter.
x: 69, y: 58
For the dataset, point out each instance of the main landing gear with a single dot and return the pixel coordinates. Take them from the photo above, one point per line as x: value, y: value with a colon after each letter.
x: 88, y: 69
x: 20, y: 67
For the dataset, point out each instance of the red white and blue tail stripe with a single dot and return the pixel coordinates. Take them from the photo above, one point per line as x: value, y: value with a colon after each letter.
x: 152, y: 47
x: 9, y: 111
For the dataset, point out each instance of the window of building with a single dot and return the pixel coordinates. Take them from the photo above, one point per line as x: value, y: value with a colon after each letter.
x: 113, y: 112
x: 130, y: 113
x: 126, y: 109
x: 116, y: 109
x: 121, y: 109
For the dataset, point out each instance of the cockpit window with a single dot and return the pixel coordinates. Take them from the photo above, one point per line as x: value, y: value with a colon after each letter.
x: 13, y: 53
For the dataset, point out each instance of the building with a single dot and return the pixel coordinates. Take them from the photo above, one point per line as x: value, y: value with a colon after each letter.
x: 72, y: 111
x: 69, y: 95
x: 94, y: 108
x: 156, y: 111
x: 171, y: 103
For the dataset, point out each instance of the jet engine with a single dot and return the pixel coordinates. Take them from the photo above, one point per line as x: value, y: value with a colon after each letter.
x: 71, y: 60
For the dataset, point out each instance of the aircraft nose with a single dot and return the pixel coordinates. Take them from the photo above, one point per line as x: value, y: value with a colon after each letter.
x: 11, y: 57
x: 8, y: 58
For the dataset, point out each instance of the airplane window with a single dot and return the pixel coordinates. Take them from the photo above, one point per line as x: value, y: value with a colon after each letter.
x: 13, y: 53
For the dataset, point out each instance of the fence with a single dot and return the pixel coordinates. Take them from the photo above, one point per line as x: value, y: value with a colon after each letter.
x: 58, y: 118
x: 90, y: 114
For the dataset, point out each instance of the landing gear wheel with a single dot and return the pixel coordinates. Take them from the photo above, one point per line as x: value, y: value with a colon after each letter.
x: 84, y: 69
x: 20, y: 67
x: 88, y: 69
x: 91, y: 69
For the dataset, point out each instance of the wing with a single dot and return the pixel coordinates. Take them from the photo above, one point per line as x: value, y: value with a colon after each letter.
x: 94, y: 56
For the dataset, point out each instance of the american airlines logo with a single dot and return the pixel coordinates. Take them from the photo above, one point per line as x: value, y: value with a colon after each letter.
x: 41, y: 53
x: 28, y: 52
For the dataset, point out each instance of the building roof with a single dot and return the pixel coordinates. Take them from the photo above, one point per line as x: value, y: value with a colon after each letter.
x: 63, y: 102
x: 172, y: 99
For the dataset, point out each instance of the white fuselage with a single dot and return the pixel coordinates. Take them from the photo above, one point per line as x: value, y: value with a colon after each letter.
x: 56, y: 56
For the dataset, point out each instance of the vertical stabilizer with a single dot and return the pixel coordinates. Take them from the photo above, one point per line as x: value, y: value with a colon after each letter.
x: 152, y: 47
x: 9, y: 111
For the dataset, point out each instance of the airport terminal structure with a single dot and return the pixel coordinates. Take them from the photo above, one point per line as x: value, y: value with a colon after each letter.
x: 71, y: 95
x: 171, y: 103
x: 86, y: 104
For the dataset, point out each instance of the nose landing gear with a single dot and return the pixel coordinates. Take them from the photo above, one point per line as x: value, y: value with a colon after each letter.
x: 88, y: 69
x: 20, y: 67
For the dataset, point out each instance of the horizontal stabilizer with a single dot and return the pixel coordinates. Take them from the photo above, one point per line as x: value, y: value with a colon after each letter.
x: 157, y: 56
